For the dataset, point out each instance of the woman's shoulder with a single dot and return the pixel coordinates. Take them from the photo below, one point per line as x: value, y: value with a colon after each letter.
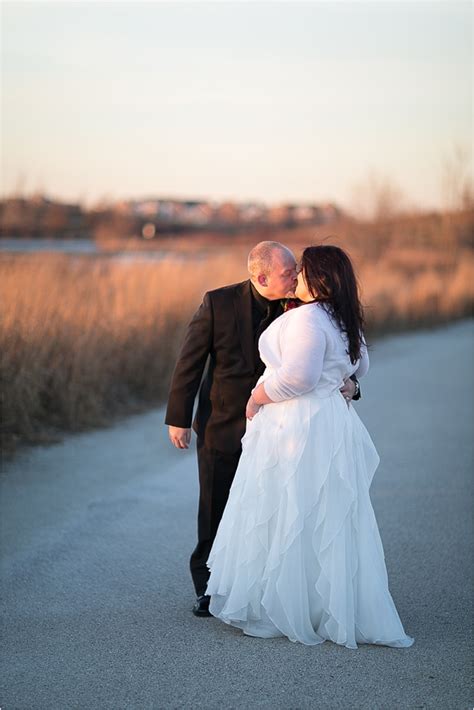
x: 313, y: 313
x: 313, y: 310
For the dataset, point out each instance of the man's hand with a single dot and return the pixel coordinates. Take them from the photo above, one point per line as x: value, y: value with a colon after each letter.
x: 348, y: 390
x: 179, y: 437
x: 252, y: 408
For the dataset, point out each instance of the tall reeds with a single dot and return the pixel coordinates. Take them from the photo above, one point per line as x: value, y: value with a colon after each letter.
x: 86, y: 338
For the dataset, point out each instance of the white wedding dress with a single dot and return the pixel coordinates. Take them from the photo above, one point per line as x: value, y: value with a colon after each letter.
x: 298, y: 551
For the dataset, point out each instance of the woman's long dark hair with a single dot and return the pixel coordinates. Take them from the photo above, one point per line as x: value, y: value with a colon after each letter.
x: 331, y: 280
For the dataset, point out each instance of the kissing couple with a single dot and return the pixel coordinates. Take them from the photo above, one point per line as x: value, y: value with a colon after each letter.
x: 288, y: 543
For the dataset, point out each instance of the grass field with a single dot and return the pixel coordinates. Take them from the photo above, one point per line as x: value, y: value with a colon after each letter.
x: 87, y: 338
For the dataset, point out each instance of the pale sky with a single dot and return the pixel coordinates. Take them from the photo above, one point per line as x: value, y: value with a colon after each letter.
x: 270, y: 101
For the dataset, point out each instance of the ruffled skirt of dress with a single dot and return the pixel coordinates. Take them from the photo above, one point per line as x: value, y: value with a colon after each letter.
x: 298, y: 551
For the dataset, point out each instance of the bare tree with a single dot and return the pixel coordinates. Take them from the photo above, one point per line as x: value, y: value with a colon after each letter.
x: 457, y: 182
x: 378, y: 198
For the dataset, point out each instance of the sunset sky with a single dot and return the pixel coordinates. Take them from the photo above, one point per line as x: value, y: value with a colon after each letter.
x: 270, y: 101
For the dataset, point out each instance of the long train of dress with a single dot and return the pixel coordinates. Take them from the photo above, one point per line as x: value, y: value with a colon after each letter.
x: 298, y: 551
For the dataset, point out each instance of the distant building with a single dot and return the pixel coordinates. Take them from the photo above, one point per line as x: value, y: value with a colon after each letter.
x: 253, y: 213
x: 281, y: 215
x: 39, y: 216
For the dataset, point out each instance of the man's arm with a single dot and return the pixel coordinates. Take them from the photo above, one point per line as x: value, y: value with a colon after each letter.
x: 362, y: 369
x: 356, y: 394
x: 189, y: 368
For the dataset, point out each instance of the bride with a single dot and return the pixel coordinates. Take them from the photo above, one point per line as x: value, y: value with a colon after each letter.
x: 298, y: 551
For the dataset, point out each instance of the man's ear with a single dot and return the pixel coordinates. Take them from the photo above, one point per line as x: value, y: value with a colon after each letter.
x: 262, y: 279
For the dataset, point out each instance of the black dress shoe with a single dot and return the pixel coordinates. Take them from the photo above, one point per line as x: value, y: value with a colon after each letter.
x: 201, y: 606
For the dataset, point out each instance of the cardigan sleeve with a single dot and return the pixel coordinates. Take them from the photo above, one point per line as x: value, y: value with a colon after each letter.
x: 363, y: 367
x: 303, y: 344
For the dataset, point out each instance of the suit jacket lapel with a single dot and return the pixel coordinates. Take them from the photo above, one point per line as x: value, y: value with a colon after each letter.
x: 243, y: 316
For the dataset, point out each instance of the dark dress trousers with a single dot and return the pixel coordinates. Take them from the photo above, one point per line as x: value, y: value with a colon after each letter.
x: 223, y: 335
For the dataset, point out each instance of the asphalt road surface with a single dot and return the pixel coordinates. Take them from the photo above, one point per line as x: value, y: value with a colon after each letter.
x: 96, y: 534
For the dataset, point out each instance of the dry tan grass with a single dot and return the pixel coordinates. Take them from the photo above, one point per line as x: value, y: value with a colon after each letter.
x: 85, y: 338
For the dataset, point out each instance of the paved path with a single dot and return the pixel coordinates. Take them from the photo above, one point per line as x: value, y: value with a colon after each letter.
x: 96, y: 534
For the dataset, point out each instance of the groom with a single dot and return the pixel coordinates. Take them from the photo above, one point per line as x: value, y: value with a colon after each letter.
x: 224, y: 334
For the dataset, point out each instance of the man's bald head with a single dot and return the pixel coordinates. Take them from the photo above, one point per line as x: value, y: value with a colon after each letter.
x: 272, y: 269
x: 262, y: 257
